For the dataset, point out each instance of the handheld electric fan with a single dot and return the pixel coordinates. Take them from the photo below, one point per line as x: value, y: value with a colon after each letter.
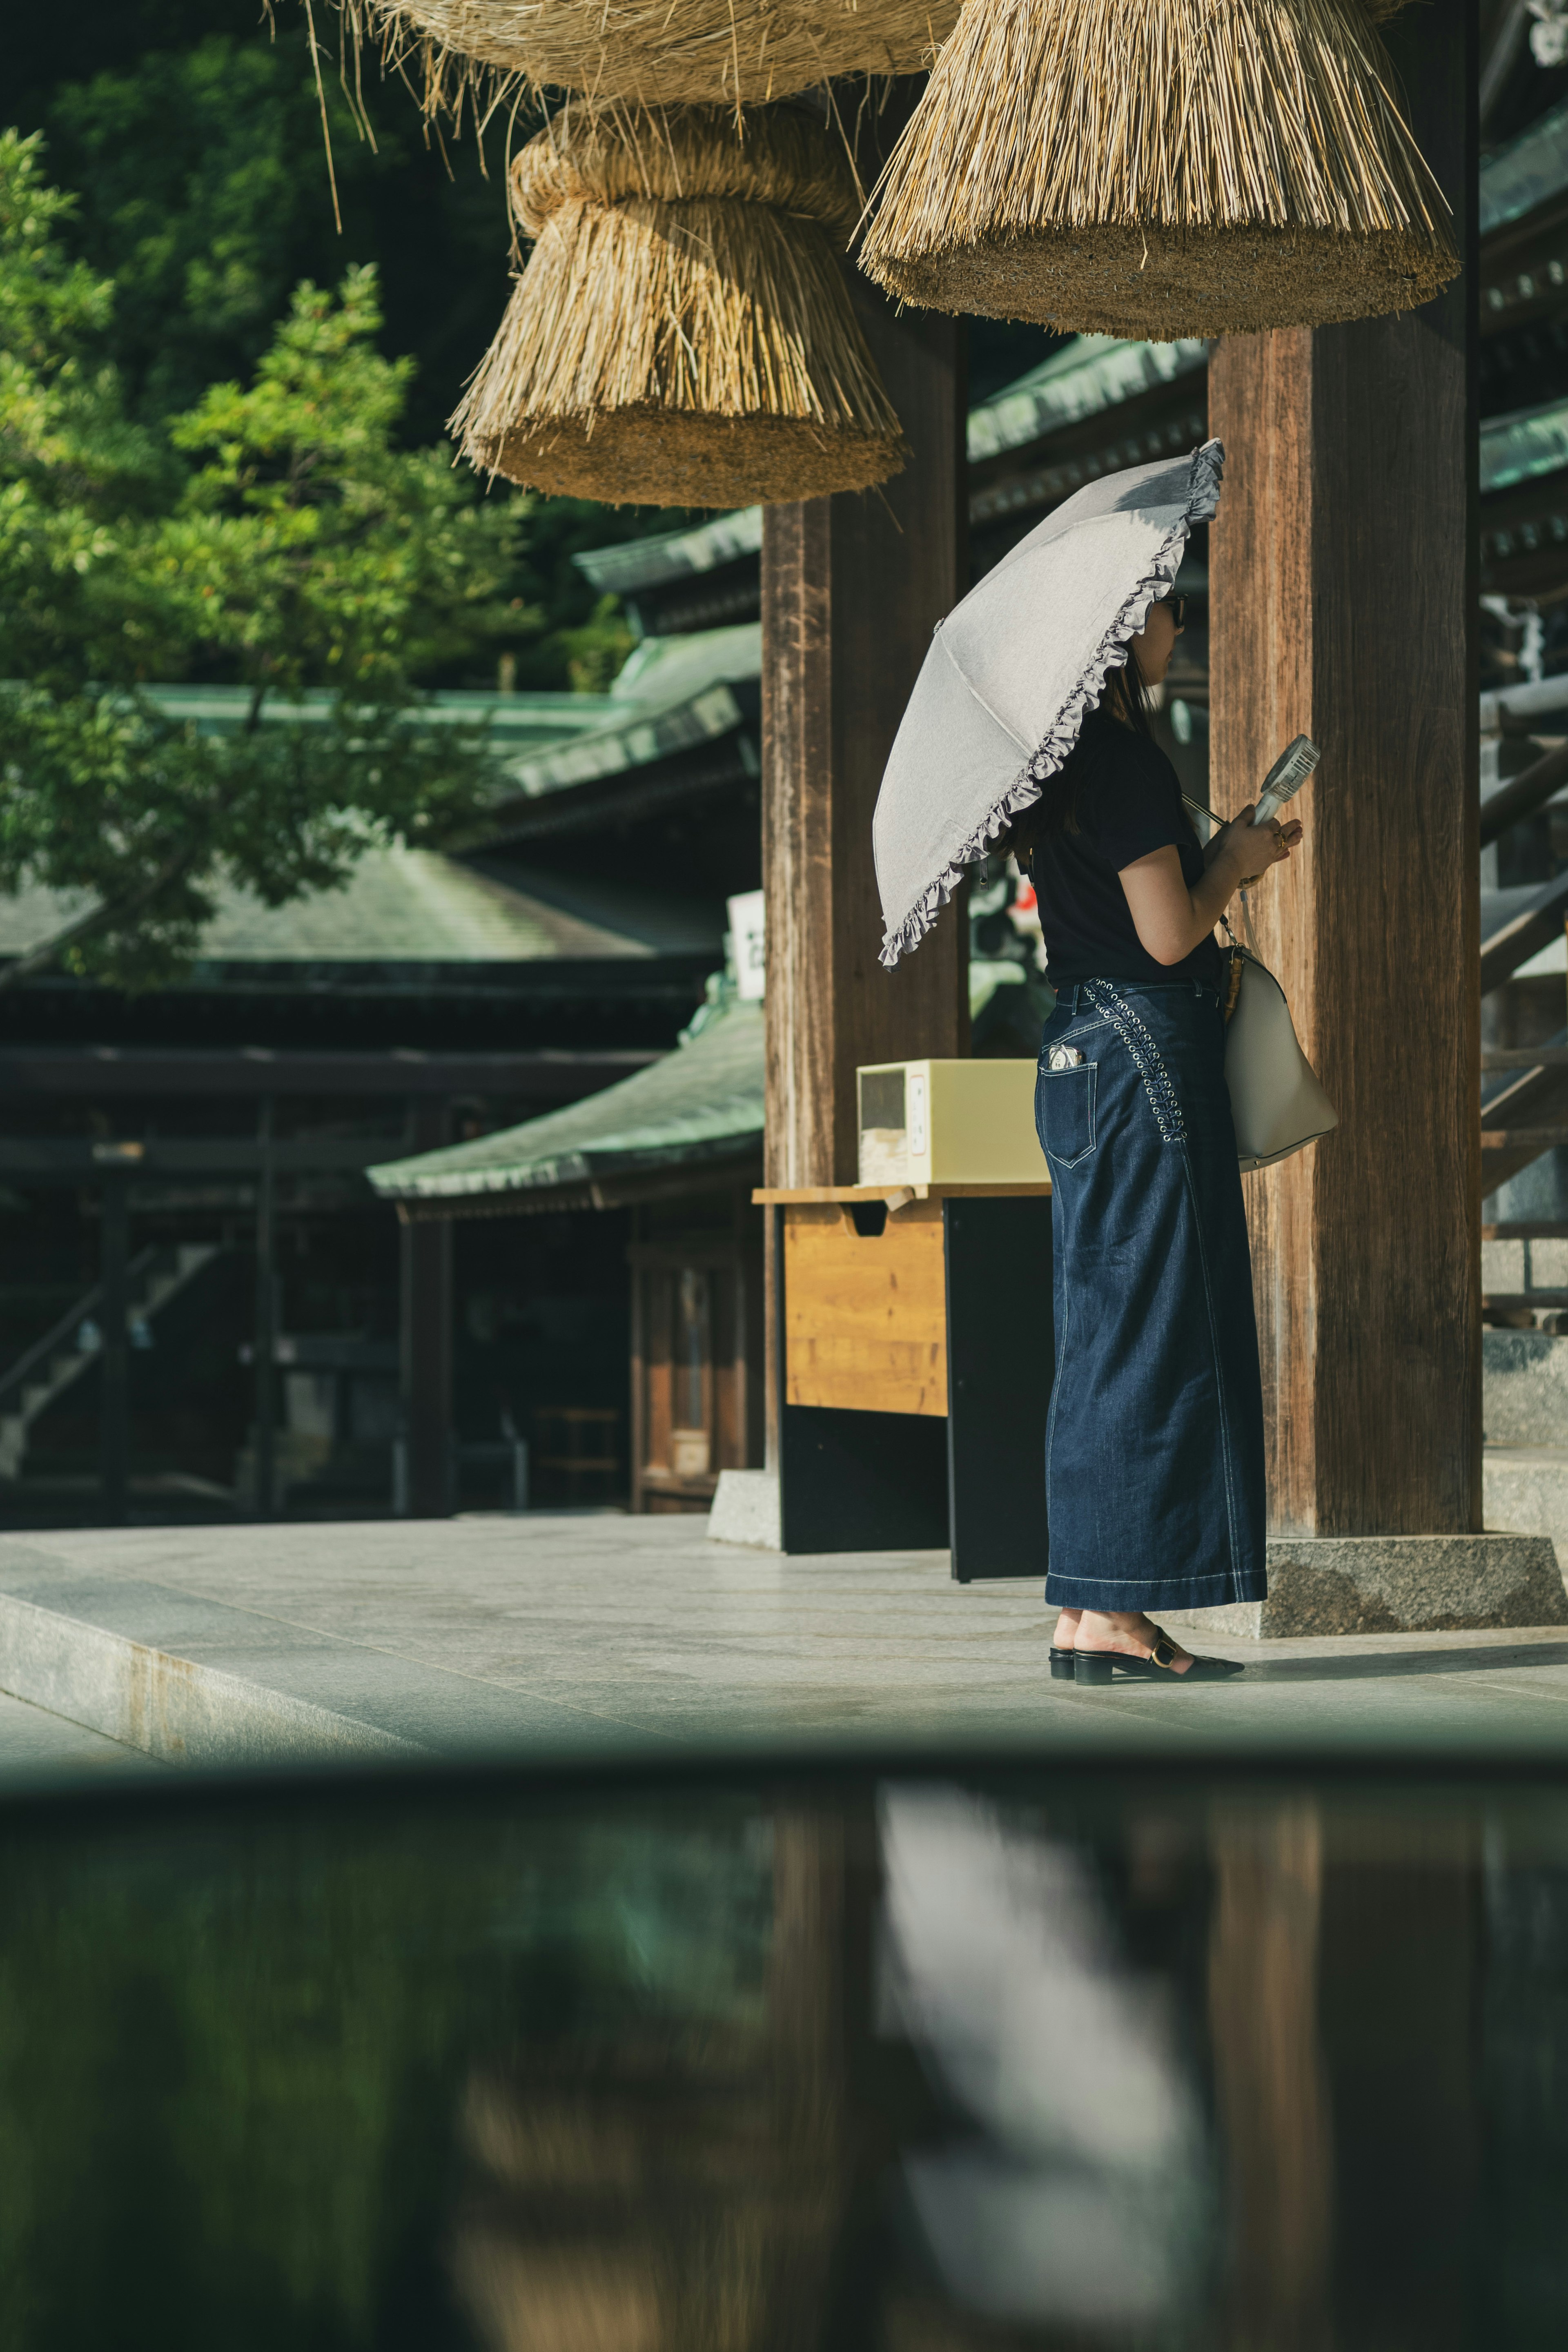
x: 1286, y: 777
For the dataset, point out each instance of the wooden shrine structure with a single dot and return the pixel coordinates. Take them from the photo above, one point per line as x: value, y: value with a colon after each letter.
x: 1343, y: 596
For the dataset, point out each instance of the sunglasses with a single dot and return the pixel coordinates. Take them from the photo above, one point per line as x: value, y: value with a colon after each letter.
x: 1177, y: 606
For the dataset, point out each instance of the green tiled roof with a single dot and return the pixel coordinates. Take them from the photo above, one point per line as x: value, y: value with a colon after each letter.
x: 1528, y: 442
x: 673, y: 693
x: 664, y: 555
x: 520, y: 722
x: 1086, y: 376
x: 414, y: 906
x: 701, y: 1103
x: 1526, y: 172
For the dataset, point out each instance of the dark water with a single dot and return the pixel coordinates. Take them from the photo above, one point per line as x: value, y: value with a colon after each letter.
x: 967, y: 2063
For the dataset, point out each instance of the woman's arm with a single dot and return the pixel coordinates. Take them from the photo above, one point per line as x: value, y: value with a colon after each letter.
x: 1170, y: 919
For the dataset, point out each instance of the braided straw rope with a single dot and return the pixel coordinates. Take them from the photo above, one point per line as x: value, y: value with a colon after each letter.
x: 648, y: 52
x: 683, y: 335
x: 1187, y: 167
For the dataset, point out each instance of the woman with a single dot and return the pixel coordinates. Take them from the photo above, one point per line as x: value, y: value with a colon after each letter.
x: 1155, y: 1441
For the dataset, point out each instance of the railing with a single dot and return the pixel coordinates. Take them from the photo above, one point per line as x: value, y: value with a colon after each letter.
x: 16, y: 1375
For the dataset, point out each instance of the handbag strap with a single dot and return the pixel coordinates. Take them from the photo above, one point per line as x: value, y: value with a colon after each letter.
x: 1196, y: 808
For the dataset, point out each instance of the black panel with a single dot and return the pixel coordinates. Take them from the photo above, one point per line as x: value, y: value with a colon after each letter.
x: 862, y: 1481
x: 1001, y: 1352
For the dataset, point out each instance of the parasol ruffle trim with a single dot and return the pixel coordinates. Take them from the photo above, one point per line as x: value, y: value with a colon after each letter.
x: 1203, y: 498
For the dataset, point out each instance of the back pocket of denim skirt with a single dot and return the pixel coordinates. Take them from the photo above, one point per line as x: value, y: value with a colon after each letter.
x: 1064, y: 1113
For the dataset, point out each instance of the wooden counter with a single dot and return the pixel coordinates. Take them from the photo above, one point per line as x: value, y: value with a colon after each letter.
x: 865, y: 1313
x: 914, y: 1365
x: 865, y: 1286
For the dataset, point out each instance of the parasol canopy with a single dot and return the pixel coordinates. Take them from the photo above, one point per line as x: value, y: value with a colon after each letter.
x: 1011, y: 672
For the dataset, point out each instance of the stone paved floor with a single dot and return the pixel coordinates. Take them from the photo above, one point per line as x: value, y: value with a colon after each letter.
x: 567, y: 1632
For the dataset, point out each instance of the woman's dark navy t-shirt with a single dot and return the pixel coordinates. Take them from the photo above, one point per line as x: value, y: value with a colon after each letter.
x: 1127, y: 802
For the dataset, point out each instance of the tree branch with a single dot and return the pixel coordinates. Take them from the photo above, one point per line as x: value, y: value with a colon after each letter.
x: 96, y: 918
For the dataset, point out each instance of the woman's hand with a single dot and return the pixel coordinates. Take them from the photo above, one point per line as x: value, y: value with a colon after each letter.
x: 1252, y: 848
x: 1170, y: 919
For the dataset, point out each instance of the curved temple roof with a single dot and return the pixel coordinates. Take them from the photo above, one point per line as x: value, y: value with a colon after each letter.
x: 700, y: 1104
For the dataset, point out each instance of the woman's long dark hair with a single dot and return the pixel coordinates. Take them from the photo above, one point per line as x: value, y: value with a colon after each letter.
x: 1124, y: 702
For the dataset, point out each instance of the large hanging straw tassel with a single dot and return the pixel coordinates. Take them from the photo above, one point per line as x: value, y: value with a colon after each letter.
x: 1161, y: 168
x: 683, y: 335
x: 650, y: 52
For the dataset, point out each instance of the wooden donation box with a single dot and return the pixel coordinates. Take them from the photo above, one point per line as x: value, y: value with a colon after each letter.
x: 913, y: 1326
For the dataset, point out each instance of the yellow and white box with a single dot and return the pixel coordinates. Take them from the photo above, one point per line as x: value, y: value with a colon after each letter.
x: 949, y: 1123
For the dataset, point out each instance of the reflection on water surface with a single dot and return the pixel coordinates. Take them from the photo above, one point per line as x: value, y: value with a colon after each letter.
x: 958, y: 2065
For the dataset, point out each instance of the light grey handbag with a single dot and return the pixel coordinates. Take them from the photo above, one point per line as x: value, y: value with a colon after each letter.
x: 1276, y: 1102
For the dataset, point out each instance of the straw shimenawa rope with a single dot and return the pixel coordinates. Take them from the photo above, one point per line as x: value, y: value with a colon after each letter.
x: 683, y: 335
x: 650, y: 52
x: 1184, y: 167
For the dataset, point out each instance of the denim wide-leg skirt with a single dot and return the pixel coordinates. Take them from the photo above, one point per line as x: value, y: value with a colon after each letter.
x: 1154, y: 1493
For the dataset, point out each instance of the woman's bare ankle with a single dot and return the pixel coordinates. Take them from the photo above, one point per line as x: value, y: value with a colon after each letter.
x: 1119, y: 1629
x: 1104, y: 1629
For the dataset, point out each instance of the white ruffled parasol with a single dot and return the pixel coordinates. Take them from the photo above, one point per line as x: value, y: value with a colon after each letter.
x: 1002, y: 694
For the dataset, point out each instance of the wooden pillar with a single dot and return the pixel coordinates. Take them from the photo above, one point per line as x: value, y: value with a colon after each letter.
x: 114, y: 1358
x: 1270, y: 2082
x: 266, y: 1315
x: 1403, y: 1947
x: 852, y: 588
x: 1343, y: 603
x: 426, y: 1293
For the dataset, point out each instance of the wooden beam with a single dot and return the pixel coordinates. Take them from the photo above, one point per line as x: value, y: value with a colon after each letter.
x: 551, y: 1075
x: 1523, y: 794
x: 1535, y: 1098
x: 852, y: 588
x: 1524, y: 936
x: 1512, y: 1118
x: 1342, y: 593
x: 114, y: 1354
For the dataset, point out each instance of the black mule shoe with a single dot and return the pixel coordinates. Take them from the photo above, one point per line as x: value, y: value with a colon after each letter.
x: 1099, y: 1665
x: 1061, y: 1664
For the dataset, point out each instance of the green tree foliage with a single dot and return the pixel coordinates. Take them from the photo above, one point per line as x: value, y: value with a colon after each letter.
x: 237, y: 2050
x: 204, y: 192
x: 197, y: 154
x: 276, y: 536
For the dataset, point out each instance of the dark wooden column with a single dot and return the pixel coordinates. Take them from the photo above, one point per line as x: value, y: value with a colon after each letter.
x: 1343, y: 606
x: 1270, y: 2081
x: 266, y: 1315
x: 425, y: 1292
x: 852, y: 588
x: 114, y: 1358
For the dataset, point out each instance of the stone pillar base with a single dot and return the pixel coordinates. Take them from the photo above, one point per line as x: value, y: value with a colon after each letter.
x: 746, y: 1510
x: 1395, y: 1584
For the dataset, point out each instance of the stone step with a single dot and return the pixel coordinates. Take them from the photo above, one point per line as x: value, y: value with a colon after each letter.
x: 193, y: 1681
x: 1337, y: 1585
x: 1526, y: 1487
x: 1524, y: 1390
